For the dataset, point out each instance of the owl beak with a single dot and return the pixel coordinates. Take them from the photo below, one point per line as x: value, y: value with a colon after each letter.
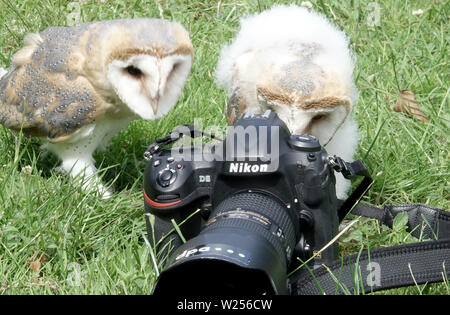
x: 154, y: 103
x: 155, y: 107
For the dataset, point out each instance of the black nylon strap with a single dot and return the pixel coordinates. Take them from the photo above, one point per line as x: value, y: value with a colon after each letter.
x: 351, y: 170
x: 354, y: 198
x: 397, y: 266
x: 423, y: 221
x: 378, y: 269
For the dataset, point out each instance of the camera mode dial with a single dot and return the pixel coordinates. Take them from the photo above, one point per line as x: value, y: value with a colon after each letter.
x: 305, y: 143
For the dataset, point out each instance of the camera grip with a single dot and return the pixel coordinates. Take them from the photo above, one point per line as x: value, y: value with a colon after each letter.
x: 161, y: 235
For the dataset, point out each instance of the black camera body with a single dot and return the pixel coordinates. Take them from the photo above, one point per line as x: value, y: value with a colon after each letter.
x: 266, y: 202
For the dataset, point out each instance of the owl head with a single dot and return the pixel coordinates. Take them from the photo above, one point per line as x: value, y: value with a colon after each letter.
x: 292, y: 61
x: 146, y: 63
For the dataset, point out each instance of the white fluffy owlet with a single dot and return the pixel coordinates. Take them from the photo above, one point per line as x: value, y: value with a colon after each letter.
x: 296, y: 63
x: 78, y: 86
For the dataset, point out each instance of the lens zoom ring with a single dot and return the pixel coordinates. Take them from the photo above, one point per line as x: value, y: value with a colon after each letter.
x: 250, y: 226
x: 263, y: 205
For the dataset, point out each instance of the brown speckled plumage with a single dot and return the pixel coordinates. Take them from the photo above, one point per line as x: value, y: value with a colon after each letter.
x: 78, y: 86
x: 61, y: 86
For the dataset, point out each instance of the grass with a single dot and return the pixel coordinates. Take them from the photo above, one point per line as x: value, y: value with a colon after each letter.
x: 91, y: 246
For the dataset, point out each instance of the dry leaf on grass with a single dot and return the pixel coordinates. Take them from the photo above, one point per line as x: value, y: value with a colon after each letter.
x: 36, y: 267
x: 407, y: 104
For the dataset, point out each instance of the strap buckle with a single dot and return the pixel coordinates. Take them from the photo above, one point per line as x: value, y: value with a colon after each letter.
x: 351, y: 170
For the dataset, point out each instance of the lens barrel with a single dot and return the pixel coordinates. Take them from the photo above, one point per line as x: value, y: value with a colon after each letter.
x: 244, y: 248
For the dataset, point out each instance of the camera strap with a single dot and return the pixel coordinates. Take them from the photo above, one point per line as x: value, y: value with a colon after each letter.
x: 423, y: 221
x: 378, y: 269
x: 179, y: 131
x: 382, y: 268
x: 351, y: 170
x: 390, y: 267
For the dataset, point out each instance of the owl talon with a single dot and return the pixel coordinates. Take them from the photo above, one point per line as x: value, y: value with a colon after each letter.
x: 59, y: 170
x: 94, y: 185
x: 105, y: 193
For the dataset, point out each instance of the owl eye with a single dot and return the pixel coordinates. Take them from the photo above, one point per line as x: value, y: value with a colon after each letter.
x: 318, y: 117
x: 133, y: 71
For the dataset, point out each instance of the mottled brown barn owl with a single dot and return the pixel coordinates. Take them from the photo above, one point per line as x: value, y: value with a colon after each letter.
x: 78, y: 86
x: 295, y: 62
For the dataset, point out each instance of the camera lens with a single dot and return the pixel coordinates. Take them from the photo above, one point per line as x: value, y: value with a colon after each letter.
x: 244, y: 248
x: 258, y: 214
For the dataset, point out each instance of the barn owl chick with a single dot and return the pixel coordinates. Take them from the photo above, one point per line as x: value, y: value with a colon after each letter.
x: 296, y: 63
x: 78, y: 86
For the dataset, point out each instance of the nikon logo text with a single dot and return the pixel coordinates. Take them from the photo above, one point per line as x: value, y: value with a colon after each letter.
x: 248, y: 168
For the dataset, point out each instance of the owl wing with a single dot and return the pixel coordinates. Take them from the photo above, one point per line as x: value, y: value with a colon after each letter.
x: 43, y: 94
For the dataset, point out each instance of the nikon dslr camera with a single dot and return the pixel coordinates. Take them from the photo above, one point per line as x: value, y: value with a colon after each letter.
x: 239, y: 215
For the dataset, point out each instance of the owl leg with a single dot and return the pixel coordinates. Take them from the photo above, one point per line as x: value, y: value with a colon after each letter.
x: 80, y: 165
x: 83, y: 168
